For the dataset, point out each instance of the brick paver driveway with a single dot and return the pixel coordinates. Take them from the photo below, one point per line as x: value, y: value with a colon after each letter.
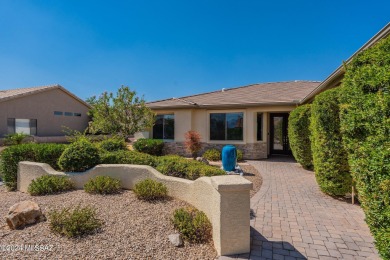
x: 293, y: 219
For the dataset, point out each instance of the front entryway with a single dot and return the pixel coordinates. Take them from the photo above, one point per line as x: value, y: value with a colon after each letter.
x: 278, y: 133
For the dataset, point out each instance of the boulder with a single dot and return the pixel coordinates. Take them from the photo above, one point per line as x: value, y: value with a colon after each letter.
x: 203, y: 160
x: 24, y: 213
x: 176, y: 239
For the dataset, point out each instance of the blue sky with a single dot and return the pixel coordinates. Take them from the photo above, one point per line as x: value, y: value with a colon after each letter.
x: 166, y: 49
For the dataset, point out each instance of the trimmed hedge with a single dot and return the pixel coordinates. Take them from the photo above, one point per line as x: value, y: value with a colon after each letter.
x: 365, y: 124
x: 212, y: 155
x: 112, y: 144
x: 79, y: 156
x: 299, y: 135
x: 128, y: 157
x: 149, y: 146
x: 11, y: 156
x: 177, y: 166
x: 329, y: 156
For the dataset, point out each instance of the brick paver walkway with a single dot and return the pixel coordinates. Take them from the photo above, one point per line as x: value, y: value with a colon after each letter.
x: 293, y: 219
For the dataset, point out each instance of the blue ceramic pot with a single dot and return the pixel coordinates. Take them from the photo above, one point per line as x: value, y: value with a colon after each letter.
x: 229, y: 157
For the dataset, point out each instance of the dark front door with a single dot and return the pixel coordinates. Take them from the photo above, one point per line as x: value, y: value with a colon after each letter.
x: 279, y: 138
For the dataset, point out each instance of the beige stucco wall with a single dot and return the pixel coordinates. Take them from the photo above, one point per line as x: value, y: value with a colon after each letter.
x: 224, y: 199
x: 41, y: 106
x: 198, y: 120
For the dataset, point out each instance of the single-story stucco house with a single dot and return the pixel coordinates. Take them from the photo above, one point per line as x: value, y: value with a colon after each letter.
x: 41, y: 111
x: 254, y: 118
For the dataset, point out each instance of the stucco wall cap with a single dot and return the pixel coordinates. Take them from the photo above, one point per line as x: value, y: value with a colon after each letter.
x: 231, y: 183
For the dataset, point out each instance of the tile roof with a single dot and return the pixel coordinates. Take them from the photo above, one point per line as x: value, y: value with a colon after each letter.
x: 274, y: 93
x: 21, y: 92
x: 12, y: 93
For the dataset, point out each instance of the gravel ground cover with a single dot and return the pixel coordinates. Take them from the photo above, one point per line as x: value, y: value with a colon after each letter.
x: 133, y: 229
x: 253, y: 175
x: 250, y: 173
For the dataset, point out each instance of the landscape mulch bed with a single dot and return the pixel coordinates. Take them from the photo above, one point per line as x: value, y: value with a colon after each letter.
x: 133, y: 229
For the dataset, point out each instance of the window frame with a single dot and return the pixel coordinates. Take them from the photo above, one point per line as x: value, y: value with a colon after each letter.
x: 261, y: 114
x: 33, y: 125
x: 163, y: 127
x: 226, y: 140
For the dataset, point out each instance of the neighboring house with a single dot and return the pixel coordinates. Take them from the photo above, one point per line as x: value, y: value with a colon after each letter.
x: 41, y: 111
x: 254, y: 118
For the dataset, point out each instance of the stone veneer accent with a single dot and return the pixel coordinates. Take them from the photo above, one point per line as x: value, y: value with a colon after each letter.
x: 224, y: 199
x: 251, y: 151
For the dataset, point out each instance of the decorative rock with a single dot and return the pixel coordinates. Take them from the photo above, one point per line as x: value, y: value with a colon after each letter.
x: 176, y: 239
x: 24, y: 213
x: 203, y: 160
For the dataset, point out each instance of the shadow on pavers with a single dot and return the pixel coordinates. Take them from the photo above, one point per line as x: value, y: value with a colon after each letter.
x: 261, y: 248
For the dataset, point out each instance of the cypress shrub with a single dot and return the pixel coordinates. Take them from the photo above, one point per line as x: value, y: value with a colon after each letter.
x: 299, y: 135
x: 365, y: 124
x: 329, y: 156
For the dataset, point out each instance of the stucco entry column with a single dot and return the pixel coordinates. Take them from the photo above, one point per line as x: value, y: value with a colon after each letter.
x: 234, y: 216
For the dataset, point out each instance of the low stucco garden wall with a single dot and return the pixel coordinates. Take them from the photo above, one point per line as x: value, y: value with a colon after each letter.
x: 224, y: 199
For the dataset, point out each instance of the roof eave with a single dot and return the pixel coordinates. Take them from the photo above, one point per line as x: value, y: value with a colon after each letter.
x: 44, y: 90
x: 244, y: 105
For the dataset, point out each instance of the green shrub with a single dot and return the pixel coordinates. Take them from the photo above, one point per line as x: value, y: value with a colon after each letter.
x: 76, y: 222
x: 299, y: 135
x: 172, y: 165
x: 329, y: 156
x: 192, y: 224
x: 15, y: 139
x: 149, y: 146
x: 127, y: 157
x: 365, y: 124
x: 49, y: 184
x: 239, y: 155
x: 212, y: 155
x: 177, y: 166
x: 11, y: 156
x: 112, y: 144
x: 79, y: 156
x: 103, y: 185
x: 150, y: 190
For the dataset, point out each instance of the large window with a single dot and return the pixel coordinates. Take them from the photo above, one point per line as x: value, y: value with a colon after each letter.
x: 164, y: 127
x: 226, y: 126
x: 22, y: 126
x: 259, y: 126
